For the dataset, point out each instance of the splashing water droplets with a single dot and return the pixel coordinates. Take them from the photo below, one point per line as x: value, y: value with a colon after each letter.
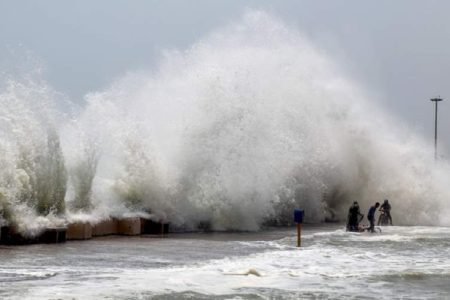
x: 236, y: 131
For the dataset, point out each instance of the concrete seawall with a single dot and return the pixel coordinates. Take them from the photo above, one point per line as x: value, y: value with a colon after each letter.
x: 130, y: 226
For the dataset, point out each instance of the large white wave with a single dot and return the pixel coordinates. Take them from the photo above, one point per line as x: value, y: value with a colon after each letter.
x: 248, y: 123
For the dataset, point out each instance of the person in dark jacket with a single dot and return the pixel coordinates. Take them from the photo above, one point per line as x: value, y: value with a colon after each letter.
x: 386, y: 209
x: 353, y: 218
x: 371, y: 216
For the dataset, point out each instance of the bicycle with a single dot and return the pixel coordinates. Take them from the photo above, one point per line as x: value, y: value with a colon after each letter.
x: 383, y: 219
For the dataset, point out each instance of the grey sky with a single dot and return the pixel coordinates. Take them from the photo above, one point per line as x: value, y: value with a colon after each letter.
x: 399, y: 51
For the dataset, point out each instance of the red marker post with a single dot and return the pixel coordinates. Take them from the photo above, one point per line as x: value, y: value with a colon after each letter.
x: 298, y: 218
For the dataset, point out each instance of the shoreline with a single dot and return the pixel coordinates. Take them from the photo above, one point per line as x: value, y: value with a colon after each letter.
x: 136, y: 227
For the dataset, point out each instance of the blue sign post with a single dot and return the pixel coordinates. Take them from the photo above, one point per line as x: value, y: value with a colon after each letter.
x: 298, y: 218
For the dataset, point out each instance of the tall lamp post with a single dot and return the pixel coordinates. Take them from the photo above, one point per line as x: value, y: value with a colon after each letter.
x: 435, y: 100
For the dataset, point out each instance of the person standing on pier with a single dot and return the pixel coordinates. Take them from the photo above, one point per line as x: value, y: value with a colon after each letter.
x: 371, y: 216
x: 386, y: 209
x: 353, y: 218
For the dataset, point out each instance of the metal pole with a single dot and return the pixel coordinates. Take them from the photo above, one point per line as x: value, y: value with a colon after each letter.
x: 435, y: 100
x: 435, y: 129
x: 299, y: 234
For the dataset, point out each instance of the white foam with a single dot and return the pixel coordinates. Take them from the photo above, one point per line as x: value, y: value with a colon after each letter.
x: 351, y: 265
x: 248, y: 123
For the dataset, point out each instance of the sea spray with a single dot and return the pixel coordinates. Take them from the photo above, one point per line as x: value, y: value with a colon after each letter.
x: 33, y: 180
x: 82, y: 153
x: 232, y: 133
x: 251, y: 122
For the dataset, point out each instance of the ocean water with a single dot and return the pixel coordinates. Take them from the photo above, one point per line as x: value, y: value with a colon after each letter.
x: 398, y: 263
x: 235, y: 131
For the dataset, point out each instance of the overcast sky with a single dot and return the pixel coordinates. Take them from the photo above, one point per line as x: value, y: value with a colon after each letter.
x: 399, y: 51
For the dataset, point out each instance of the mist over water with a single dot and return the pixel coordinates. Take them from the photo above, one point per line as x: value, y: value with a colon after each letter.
x: 232, y: 133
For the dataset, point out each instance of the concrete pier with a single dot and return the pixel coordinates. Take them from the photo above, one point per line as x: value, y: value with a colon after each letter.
x: 131, y: 226
x: 79, y: 231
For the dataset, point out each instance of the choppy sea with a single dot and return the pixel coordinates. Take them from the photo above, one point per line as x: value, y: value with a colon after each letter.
x: 398, y: 263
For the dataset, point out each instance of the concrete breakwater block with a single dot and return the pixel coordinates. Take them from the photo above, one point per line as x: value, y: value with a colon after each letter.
x: 11, y: 236
x: 152, y: 227
x: 79, y: 231
x: 129, y: 226
x: 53, y: 235
x: 106, y: 227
